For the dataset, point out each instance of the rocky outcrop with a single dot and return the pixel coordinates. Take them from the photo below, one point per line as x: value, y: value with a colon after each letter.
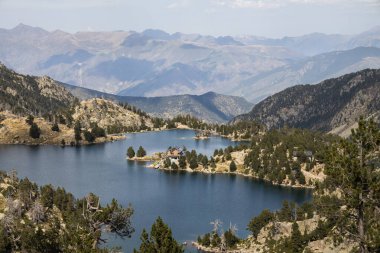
x: 108, y: 114
x: 15, y: 130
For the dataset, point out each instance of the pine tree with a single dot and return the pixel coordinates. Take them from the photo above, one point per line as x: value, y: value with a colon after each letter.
x: 34, y: 131
x: 233, y: 167
x: 258, y: 222
x: 88, y: 136
x: 167, y: 162
x: 182, y: 162
x: 141, y: 152
x: 77, y: 132
x: 174, y: 166
x: 353, y: 167
x: 159, y: 241
x: 193, y: 164
x: 130, y: 152
x: 296, y: 240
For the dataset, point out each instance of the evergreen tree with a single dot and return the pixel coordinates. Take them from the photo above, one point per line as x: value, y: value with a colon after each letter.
x: 205, y: 240
x: 296, y: 240
x: 182, y: 162
x: 77, y: 131
x: 34, y: 131
x: 141, y: 152
x: 286, y: 212
x: 204, y: 161
x: 231, y: 238
x: 174, y: 166
x: 131, y: 152
x: 159, y: 241
x: 258, y: 222
x: 88, y: 136
x: 233, y: 167
x: 193, y: 164
x: 215, y: 240
x: 98, y: 131
x: 353, y: 167
x: 167, y: 162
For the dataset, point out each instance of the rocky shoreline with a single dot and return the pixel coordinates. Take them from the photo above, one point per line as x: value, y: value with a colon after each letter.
x: 237, y: 173
x: 157, y: 162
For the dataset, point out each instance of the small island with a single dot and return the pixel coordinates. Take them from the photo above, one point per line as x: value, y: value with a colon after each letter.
x: 287, y: 158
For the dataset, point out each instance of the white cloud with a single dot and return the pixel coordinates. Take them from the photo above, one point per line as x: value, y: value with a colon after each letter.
x: 263, y: 4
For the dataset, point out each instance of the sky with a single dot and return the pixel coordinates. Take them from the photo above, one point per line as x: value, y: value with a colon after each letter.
x: 269, y: 18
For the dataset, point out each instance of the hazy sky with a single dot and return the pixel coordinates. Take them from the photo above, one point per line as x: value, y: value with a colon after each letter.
x: 271, y: 18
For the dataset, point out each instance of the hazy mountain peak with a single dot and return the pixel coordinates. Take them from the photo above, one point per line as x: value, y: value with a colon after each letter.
x: 26, y: 28
x: 157, y: 34
x: 156, y: 63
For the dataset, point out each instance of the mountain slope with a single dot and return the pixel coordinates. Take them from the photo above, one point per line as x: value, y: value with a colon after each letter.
x: 210, y: 106
x: 108, y: 115
x: 23, y: 95
x: 311, y: 70
x: 319, y: 43
x: 55, y: 111
x: 155, y: 63
x: 330, y: 104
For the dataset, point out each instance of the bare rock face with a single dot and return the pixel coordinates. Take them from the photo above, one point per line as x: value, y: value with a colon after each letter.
x: 325, y: 106
x: 326, y: 245
x: 106, y: 114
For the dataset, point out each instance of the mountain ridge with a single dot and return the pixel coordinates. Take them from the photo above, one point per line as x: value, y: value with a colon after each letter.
x: 210, y: 106
x: 333, y: 103
x: 156, y: 63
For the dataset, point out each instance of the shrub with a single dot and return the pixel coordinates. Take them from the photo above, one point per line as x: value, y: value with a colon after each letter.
x: 30, y: 120
x: 88, y: 136
x: 55, y: 127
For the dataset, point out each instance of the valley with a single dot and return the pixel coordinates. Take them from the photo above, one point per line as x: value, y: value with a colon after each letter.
x: 154, y: 63
x: 217, y: 143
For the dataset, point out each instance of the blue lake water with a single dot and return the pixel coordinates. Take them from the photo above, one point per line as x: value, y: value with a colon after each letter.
x: 186, y: 201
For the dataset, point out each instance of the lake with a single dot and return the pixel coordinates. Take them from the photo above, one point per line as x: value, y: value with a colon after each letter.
x: 186, y: 201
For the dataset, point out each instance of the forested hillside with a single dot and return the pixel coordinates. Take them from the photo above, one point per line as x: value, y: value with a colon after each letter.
x: 23, y: 94
x: 330, y: 104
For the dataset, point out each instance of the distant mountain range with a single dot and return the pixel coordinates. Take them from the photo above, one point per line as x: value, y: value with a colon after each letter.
x: 311, y: 70
x: 335, y: 104
x: 155, y: 63
x: 319, y: 43
x: 211, y: 107
x: 23, y: 94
